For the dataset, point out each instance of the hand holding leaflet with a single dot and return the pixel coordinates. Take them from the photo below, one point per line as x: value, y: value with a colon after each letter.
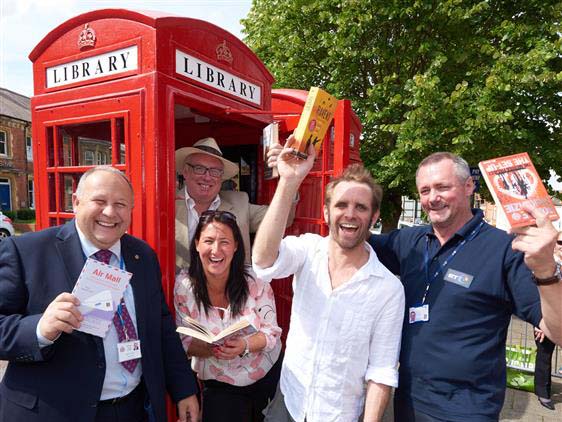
x: 99, y: 288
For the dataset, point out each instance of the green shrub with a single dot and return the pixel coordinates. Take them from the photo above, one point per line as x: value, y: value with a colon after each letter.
x: 10, y: 214
x: 25, y: 214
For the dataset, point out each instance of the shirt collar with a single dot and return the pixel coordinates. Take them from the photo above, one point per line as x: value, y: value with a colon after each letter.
x: 464, y: 231
x: 191, y: 203
x: 89, y: 248
x: 373, y: 267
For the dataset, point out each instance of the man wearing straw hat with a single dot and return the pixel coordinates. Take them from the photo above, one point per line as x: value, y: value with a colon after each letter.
x: 204, y: 169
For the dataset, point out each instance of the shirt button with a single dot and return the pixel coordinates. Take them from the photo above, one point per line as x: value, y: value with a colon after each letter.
x: 101, y: 365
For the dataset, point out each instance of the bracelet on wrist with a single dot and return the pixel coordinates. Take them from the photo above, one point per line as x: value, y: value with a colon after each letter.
x: 246, y: 351
x: 555, y: 278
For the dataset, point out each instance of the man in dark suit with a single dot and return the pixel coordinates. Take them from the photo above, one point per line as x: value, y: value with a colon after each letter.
x: 56, y: 373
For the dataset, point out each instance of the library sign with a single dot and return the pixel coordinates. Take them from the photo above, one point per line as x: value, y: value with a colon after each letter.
x: 107, y: 64
x: 212, y: 76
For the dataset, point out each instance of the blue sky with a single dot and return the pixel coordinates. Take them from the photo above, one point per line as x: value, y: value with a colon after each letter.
x: 24, y: 23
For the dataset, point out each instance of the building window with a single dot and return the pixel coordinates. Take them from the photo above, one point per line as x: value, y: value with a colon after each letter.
x: 30, y: 194
x: 3, y: 143
x: 28, y: 148
x: 88, y: 158
x: 101, y: 158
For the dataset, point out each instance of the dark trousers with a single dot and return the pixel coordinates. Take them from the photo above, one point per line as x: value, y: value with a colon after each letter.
x: 404, y: 411
x: 127, y: 409
x: 224, y: 402
x: 543, y: 368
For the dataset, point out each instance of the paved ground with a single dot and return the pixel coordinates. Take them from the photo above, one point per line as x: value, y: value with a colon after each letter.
x: 522, y: 407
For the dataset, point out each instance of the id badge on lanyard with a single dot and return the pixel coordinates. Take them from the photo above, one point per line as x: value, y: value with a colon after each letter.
x: 418, y: 314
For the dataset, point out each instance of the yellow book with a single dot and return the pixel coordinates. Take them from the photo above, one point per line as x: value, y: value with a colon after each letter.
x: 315, y: 119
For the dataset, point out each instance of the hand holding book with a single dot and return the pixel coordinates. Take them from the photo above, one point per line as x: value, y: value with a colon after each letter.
x: 537, y: 243
x: 195, y: 329
x: 513, y: 181
x: 230, y: 349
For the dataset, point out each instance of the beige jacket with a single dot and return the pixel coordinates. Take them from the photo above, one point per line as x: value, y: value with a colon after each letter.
x: 248, y: 217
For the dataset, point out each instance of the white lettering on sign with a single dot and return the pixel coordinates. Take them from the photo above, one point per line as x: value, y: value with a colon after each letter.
x: 198, y: 70
x: 112, y: 63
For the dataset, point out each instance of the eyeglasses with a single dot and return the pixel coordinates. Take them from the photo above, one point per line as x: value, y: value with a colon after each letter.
x: 219, y: 214
x: 201, y: 170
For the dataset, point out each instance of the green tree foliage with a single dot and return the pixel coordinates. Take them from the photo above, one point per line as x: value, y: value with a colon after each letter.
x: 478, y: 78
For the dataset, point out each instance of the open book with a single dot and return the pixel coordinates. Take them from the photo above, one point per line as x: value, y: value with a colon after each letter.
x: 513, y: 180
x: 195, y: 329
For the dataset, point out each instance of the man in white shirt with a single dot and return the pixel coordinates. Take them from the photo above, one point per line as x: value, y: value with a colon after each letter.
x: 343, y: 344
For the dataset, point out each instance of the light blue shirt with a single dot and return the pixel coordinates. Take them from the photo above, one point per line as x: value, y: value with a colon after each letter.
x: 118, y: 381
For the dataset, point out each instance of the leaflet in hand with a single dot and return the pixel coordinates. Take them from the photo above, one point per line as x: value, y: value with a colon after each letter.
x: 99, y: 288
x: 195, y: 329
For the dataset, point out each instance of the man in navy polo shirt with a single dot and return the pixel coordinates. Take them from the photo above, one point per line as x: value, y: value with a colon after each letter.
x: 463, y: 281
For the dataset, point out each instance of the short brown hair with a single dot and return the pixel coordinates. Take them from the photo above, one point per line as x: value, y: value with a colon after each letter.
x: 356, y: 173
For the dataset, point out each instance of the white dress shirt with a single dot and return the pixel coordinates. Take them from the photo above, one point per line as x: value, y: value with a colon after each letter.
x: 118, y: 382
x: 338, y: 338
x: 193, y: 219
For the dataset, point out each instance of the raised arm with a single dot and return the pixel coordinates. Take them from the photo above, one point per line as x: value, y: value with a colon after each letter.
x: 292, y: 172
x: 537, y: 243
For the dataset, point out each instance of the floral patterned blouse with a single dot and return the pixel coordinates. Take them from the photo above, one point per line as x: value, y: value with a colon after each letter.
x: 259, y: 310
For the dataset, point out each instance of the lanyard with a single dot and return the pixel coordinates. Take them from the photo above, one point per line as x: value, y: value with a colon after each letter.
x: 121, y: 321
x: 119, y: 307
x: 447, y: 261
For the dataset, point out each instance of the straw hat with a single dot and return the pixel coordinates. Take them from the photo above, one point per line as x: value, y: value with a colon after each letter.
x: 207, y: 146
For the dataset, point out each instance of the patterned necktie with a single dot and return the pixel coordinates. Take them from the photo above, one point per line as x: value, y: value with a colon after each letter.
x: 122, y: 323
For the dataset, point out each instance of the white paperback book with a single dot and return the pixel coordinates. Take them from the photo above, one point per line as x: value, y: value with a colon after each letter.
x: 99, y: 288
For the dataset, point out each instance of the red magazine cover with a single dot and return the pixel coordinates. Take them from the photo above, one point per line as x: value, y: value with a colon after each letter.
x: 513, y: 180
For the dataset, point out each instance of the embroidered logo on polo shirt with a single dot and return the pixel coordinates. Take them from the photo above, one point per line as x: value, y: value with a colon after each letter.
x: 459, y: 278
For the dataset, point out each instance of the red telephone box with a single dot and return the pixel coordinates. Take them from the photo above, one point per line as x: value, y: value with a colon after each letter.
x: 128, y: 88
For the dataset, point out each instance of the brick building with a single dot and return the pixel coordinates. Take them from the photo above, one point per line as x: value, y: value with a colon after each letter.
x: 16, y: 159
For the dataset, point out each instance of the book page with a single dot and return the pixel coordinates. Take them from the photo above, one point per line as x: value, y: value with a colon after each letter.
x: 99, y: 288
x: 196, y: 325
x: 187, y: 331
x: 241, y: 328
x: 270, y: 137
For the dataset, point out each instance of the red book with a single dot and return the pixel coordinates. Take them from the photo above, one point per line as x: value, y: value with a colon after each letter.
x: 513, y: 181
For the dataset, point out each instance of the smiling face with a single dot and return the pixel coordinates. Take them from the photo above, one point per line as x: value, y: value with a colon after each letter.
x: 444, y: 196
x: 216, y: 247
x: 103, y: 208
x: 202, y: 188
x: 350, y: 214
